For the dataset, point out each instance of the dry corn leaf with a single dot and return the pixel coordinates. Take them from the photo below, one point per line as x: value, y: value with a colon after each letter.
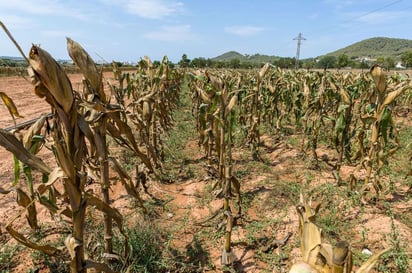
x: 87, y: 67
x: 71, y: 243
x: 35, y: 129
x: 370, y: 263
x: 326, y: 250
x: 122, y: 128
x: 49, y: 250
x: 65, y: 162
x: 146, y: 110
x: 103, y: 207
x: 86, y: 130
x: 203, y: 95
x: 344, y: 96
x: 231, y: 104
x: 263, y: 71
x: 393, y: 95
x: 98, y: 267
x: 13, y: 145
x: 52, y: 76
x: 379, y: 77
x: 127, y: 182
x: 340, y: 253
x: 302, y: 267
x: 310, y: 234
x: 10, y: 106
x: 49, y: 204
x: 22, y: 198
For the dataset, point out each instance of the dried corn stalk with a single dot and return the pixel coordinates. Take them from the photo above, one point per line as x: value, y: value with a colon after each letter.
x: 318, y: 255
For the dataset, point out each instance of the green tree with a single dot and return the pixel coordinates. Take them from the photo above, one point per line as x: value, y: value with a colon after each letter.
x: 407, y: 59
x: 309, y: 63
x: 343, y: 61
x: 389, y: 63
x: 327, y: 62
x: 286, y: 62
x: 184, y: 62
x: 380, y: 60
x: 198, y: 62
x: 234, y: 63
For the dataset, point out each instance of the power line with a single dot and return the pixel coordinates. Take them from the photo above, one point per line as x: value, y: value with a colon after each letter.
x: 352, y: 19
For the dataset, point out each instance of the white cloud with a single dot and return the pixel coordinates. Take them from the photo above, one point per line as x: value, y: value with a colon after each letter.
x: 43, y: 7
x: 243, y: 30
x: 153, y: 9
x: 171, y: 33
x: 15, y: 22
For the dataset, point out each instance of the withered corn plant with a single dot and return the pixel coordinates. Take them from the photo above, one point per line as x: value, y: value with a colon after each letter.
x: 32, y: 141
x: 69, y: 132
x: 149, y: 96
x: 75, y: 148
x: 378, y: 119
x: 319, y: 103
x: 318, y: 255
x: 95, y: 108
x: 217, y: 98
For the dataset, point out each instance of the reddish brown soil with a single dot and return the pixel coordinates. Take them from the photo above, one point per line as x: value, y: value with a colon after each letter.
x: 188, y: 201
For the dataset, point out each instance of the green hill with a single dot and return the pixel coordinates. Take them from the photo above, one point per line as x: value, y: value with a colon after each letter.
x: 256, y: 58
x: 372, y: 48
x: 375, y: 48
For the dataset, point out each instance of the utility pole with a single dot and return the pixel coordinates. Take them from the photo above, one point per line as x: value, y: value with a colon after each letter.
x: 299, y: 38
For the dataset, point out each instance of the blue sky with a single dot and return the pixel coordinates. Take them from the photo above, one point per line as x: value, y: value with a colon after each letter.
x: 126, y: 30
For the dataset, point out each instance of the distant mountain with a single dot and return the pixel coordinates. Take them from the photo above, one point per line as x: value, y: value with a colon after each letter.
x: 256, y: 58
x: 372, y: 48
x: 12, y: 58
x: 228, y: 56
x: 375, y: 48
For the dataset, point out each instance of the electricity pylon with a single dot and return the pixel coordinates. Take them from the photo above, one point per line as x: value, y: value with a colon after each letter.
x: 299, y: 38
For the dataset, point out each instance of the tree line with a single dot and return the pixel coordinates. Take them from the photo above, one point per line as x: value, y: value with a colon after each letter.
x: 324, y: 62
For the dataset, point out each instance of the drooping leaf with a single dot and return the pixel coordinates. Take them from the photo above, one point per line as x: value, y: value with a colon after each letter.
x: 13, y: 145
x: 98, y: 267
x: 34, y: 130
x: 103, y: 207
x: 16, y: 170
x: 370, y: 263
x: 22, y: 198
x: 52, y: 76
x: 10, y: 106
x: 87, y: 66
x: 47, y: 249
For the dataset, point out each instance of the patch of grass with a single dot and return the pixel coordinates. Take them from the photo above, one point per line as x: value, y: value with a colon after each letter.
x: 7, y: 253
x: 145, y: 249
x: 396, y: 260
x: 277, y: 261
x: 53, y: 264
x: 334, y: 208
x: 294, y: 141
x: 206, y: 195
x: 177, y: 158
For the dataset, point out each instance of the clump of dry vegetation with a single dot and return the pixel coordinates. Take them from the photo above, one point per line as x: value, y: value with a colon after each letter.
x: 140, y: 124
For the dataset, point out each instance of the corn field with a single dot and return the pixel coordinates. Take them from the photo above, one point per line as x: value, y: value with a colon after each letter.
x: 355, y: 114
